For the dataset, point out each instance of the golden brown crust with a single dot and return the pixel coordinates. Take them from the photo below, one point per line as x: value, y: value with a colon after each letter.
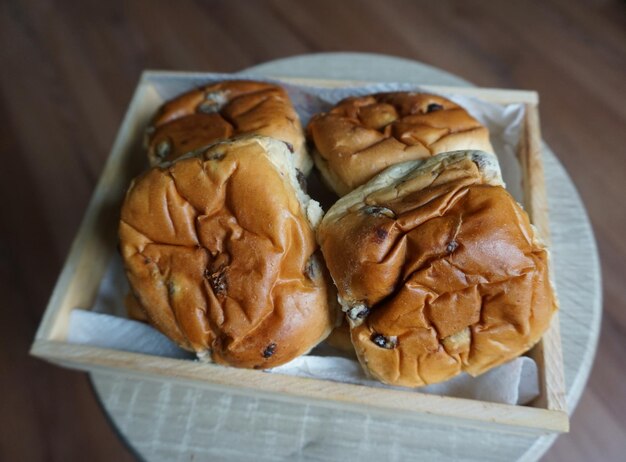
x: 134, y: 309
x: 340, y: 338
x: 439, y: 271
x: 221, y: 255
x: 220, y: 111
x: 361, y: 136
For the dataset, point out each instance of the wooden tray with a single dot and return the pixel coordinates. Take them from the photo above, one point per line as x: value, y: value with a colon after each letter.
x: 95, y: 243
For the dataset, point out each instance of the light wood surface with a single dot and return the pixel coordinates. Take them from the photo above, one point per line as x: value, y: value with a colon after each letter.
x: 548, y: 353
x: 96, y: 239
x: 69, y: 71
x: 383, y: 405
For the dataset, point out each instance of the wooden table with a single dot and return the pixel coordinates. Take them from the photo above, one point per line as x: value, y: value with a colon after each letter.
x: 68, y: 72
x: 165, y: 421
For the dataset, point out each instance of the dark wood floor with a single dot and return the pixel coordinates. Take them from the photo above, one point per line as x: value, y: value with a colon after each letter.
x: 67, y: 71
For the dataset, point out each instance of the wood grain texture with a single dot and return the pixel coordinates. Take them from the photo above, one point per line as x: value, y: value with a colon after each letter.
x: 385, y: 404
x: 69, y: 70
x: 548, y: 353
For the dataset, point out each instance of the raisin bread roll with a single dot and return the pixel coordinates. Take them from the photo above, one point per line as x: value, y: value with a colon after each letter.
x: 221, y: 111
x: 363, y: 135
x: 438, y: 270
x: 220, y: 251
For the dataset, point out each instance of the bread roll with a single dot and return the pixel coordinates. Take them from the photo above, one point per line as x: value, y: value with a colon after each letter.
x: 438, y: 270
x: 363, y: 135
x: 220, y: 250
x: 220, y: 111
x: 134, y: 309
x: 340, y: 338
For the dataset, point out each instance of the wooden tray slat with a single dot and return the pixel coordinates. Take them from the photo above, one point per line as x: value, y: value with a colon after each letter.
x: 360, y: 398
x: 548, y: 352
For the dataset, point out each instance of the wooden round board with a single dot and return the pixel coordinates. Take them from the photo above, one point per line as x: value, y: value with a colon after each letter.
x: 165, y: 421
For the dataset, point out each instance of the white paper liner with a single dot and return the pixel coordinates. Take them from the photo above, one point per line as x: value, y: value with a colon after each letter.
x: 513, y: 383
